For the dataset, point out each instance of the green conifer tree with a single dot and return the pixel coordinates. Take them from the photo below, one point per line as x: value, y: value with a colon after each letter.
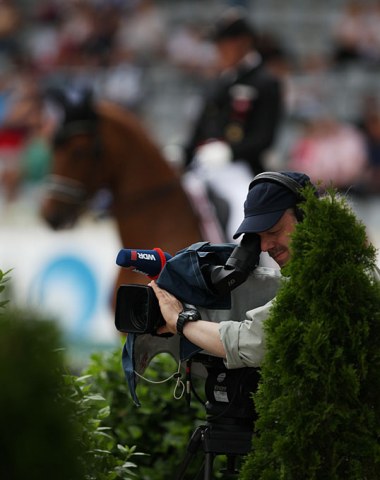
x: 318, y: 402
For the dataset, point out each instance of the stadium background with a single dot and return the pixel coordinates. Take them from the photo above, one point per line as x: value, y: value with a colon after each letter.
x: 154, y: 58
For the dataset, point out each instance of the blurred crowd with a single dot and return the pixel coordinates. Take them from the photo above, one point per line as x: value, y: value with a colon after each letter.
x: 116, y: 45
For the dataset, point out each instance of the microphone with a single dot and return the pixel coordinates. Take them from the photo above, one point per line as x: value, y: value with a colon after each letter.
x: 148, y: 262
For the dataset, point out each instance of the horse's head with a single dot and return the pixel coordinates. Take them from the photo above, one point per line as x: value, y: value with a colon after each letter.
x: 76, y: 147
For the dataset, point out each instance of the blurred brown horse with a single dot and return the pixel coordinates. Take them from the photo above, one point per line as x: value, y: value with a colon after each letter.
x: 102, y: 146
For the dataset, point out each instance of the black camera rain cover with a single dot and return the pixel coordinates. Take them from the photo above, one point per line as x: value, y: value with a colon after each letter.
x: 182, y: 275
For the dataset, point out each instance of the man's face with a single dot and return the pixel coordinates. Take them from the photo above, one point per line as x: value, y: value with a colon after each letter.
x: 232, y: 50
x: 276, y: 240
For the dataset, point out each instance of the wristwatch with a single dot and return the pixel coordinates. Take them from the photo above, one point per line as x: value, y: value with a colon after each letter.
x: 186, y: 316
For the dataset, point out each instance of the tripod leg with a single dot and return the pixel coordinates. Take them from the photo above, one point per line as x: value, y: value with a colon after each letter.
x: 231, y: 469
x: 209, y: 461
x: 192, y: 449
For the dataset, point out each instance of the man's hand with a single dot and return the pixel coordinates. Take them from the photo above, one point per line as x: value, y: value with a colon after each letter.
x: 170, y: 307
x: 203, y: 333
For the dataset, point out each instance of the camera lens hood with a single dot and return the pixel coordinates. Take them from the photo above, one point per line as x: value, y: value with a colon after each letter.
x: 137, y: 309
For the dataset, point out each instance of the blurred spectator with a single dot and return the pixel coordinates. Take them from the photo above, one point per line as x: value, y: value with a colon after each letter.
x: 356, y: 34
x: 7, y: 78
x: 77, y: 27
x: 86, y: 33
x: 11, y: 144
x: 188, y: 49
x: 142, y: 31
x: 373, y: 52
x: 12, y: 132
x: 100, y: 45
x: 331, y: 152
x: 10, y: 23
x: 370, y: 126
x: 24, y: 140
x: 309, y: 86
x: 280, y: 62
x: 122, y: 83
x: 47, y: 11
x: 275, y: 55
x: 43, y: 46
x: 35, y: 156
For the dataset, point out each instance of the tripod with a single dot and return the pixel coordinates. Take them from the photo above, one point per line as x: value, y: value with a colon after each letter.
x: 229, y: 417
x: 218, y: 438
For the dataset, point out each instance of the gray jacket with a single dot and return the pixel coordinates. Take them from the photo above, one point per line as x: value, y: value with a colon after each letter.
x: 251, y: 301
x: 244, y: 341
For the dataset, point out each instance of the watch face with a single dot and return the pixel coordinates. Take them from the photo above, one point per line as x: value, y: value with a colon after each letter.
x: 190, y: 315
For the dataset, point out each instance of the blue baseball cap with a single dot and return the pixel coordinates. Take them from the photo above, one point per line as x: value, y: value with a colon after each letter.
x: 269, y: 195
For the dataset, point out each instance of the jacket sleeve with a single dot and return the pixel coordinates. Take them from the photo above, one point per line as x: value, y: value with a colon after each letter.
x: 244, y: 341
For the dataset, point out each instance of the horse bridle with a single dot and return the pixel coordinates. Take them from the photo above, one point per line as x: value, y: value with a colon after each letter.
x: 74, y: 192
x: 63, y: 188
x: 74, y: 128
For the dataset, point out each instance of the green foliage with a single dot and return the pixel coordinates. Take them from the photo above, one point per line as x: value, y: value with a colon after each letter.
x: 161, y: 427
x: 4, y: 278
x: 59, y: 425
x: 102, y: 457
x: 36, y: 439
x: 51, y: 421
x: 318, y: 400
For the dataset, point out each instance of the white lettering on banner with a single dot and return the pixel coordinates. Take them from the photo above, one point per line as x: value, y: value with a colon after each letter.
x: 146, y: 256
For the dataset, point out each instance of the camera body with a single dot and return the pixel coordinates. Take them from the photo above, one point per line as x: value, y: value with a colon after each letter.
x: 137, y: 309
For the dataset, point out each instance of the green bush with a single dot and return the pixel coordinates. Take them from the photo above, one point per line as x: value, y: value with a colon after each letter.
x: 51, y: 421
x: 318, y: 400
x: 36, y: 439
x: 161, y: 427
x: 4, y: 278
x: 102, y: 458
x: 78, y: 426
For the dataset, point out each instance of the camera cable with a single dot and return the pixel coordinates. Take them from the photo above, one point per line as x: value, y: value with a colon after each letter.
x: 179, y: 385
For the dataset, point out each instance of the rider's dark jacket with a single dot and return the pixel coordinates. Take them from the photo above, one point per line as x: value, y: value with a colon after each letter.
x: 244, y: 109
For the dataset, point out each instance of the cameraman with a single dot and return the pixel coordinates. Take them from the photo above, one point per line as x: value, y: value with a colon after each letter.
x: 270, y: 211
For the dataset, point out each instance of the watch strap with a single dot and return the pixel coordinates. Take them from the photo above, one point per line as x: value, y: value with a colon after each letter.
x: 185, y: 317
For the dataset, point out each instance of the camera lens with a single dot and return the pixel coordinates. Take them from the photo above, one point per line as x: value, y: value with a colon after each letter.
x: 139, y: 310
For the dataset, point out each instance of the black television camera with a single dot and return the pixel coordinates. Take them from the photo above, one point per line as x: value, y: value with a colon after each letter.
x: 229, y: 407
x: 137, y: 309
